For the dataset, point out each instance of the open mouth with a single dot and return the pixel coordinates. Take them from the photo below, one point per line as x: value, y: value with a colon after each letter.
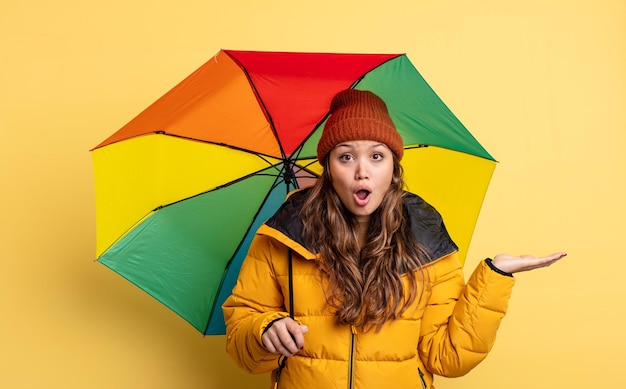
x: 362, y: 196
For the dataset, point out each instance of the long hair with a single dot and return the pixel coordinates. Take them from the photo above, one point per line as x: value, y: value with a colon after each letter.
x: 364, y: 284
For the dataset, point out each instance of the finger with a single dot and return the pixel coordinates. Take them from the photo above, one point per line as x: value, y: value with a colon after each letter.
x: 280, y: 347
x: 287, y: 340
x: 537, y: 263
x: 554, y: 256
x: 297, y: 331
x: 269, y: 346
x: 550, y: 259
x: 284, y: 351
x: 298, y: 336
x: 558, y: 256
x: 273, y: 342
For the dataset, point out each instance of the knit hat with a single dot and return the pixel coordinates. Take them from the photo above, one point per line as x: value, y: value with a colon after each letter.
x: 358, y: 115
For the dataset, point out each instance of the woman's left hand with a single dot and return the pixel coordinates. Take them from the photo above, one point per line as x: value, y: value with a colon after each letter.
x: 514, y: 264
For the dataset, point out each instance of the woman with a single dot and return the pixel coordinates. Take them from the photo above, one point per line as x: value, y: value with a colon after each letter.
x: 355, y: 283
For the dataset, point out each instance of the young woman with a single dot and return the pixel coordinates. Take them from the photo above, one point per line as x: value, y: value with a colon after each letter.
x: 355, y: 283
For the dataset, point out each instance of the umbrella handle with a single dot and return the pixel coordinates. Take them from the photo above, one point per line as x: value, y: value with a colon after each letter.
x: 290, y: 285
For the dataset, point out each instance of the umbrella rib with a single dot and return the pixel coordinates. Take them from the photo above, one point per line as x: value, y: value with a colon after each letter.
x: 261, y: 103
x: 358, y: 80
x: 256, y: 173
x: 140, y: 220
x: 230, y: 261
x: 354, y: 84
x: 262, y: 155
x: 292, y: 175
x: 417, y: 146
x: 129, y: 229
x: 304, y: 168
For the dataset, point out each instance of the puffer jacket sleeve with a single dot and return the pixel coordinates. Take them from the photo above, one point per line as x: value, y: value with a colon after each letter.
x: 256, y: 300
x: 460, y: 320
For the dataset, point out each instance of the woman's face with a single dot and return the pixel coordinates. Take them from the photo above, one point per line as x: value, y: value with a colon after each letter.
x: 361, y: 172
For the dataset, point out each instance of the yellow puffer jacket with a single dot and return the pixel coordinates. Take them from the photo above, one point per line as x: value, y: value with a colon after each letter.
x: 447, y: 331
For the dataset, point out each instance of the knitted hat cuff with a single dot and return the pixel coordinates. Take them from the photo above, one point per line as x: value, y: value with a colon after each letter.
x: 368, y: 129
x: 358, y: 115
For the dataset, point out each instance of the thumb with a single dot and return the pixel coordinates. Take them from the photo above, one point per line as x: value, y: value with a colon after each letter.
x: 304, y: 329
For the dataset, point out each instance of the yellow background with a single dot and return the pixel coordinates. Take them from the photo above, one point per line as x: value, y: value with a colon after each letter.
x: 542, y: 85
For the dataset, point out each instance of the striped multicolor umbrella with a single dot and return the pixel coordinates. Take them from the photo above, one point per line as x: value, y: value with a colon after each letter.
x: 181, y: 188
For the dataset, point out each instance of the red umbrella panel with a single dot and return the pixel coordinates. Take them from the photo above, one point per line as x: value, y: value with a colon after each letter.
x: 181, y: 188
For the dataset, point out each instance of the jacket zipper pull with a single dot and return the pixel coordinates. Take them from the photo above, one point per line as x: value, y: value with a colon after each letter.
x: 281, y: 365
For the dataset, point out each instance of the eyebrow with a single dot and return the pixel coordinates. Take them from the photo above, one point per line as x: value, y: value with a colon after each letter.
x: 351, y: 146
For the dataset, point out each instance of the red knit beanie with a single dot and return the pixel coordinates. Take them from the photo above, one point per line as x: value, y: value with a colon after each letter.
x: 358, y: 115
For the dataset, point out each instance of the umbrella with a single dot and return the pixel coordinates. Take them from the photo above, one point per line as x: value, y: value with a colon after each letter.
x: 182, y: 187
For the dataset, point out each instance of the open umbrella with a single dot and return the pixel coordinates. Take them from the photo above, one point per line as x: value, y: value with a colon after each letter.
x: 181, y: 188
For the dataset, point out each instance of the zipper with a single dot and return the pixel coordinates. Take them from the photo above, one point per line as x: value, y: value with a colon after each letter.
x: 351, y: 361
x: 421, y: 374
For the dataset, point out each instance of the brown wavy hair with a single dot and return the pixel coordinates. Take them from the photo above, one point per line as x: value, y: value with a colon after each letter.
x: 364, y: 284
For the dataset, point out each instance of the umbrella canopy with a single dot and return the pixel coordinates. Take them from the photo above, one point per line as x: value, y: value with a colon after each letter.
x: 182, y: 188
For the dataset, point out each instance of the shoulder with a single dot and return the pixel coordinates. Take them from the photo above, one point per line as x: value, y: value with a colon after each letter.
x: 419, y: 207
x: 286, y: 225
x: 428, y: 227
x: 287, y: 218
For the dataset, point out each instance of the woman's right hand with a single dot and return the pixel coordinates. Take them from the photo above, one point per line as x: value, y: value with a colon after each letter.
x: 285, y: 337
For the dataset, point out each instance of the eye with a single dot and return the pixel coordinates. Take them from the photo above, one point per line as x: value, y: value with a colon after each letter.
x: 377, y: 156
x: 345, y: 157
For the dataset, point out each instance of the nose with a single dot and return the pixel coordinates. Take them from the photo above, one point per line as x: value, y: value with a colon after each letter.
x: 362, y: 172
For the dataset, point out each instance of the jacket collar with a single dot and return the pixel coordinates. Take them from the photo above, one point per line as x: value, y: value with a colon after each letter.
x: 425, y: 222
